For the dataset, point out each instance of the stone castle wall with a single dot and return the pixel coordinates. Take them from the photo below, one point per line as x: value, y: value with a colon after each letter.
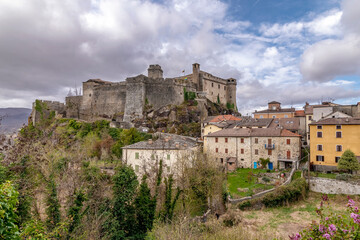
x: 126, y: 100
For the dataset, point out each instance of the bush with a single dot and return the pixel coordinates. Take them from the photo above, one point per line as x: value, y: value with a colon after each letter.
x: 332, y: 225
x: 282, y: 195
x: 343, y: 177
x: 266, y: 179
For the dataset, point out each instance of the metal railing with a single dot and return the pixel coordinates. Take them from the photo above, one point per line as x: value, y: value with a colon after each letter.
x: 269, y: 146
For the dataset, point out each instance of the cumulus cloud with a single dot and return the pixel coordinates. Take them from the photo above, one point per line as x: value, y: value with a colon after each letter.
x: 329, y: 58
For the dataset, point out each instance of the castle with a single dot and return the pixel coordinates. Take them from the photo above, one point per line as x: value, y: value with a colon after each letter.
x: 126, y: 100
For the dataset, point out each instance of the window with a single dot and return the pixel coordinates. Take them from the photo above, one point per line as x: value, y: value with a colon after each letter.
x: 338, y: 126
x: 136, y: 155
x: 261, y: 116
x: 168, y: 169
x: 309, y: 137
x: 168, y: 157
x: 288, y: 141
x: 242, y: 151
x: 242, y: 140
x: 273, y: 116
x: 216, y: 150
x: 269, y: 152
x: 216, y: 140
x: 256, y: 152
x: 212, y: 84
x: 285, y: 116
x: 226, y: 150
x: 226, y: 140
x: 319, y: 134
x: 338, y: 135
x: 339, y: 148
x: 256, y: 140
x: 319, y: 147
x: 221, y: 160
x: 310, y: 118
x: 136, y: 168
x: 319, y: 127
x: 337, y: 159
x: 224, y: 87
x: 218, y: 86
x: 319, y: 158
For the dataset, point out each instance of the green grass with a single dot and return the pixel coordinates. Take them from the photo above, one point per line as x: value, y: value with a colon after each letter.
x: 323, y: 175
x: 296, y: 175
x: 239, y: 179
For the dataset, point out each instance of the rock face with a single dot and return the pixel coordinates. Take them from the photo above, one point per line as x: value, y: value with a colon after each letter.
x: 183, y: 119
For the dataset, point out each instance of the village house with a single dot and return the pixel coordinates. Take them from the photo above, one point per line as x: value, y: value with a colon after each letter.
x: 328, y: 110
x: 330, y: 137
x: 275, y: 111
x: 216, y: 123
x: 243, y: 147
x: 145, y: 156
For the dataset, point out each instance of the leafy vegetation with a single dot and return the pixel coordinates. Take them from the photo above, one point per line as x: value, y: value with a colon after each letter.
x: 348, y: 162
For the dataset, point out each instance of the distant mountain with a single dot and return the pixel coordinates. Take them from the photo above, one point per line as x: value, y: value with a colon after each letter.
x: 14, y: 119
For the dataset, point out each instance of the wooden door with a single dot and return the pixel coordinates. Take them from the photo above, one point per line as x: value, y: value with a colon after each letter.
x: 288, y: 154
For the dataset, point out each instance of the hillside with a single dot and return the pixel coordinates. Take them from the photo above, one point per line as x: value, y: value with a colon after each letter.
x: 14, y: 119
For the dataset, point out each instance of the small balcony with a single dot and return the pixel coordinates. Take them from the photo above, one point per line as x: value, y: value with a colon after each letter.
x: 269, y: 146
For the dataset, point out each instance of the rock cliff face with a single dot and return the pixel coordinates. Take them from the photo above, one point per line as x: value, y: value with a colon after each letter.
x: 183, y: 119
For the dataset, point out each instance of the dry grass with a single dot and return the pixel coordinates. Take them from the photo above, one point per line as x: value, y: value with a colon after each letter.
x: 268, y: 223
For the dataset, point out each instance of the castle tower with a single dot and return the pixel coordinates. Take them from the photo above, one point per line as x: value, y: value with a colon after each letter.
x: 231, y: 91
x: 196, y: 75
x: 155, y: 71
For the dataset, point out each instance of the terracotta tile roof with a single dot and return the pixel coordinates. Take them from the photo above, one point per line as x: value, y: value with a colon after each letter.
x: 274, y: 102
x: 221, y: 118
x: 253, y: 132
x: 287, y: 133
x: 299, y: 113
x: 282, y: 110
x: 337, y: 121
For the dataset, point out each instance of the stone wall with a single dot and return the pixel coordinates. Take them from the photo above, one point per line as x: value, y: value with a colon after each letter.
x: 73, y: 105
x: 162, y: 92
x: 47, y: 108
x: 333, y: 186
x: 109, y: 100
x: 135, y: 98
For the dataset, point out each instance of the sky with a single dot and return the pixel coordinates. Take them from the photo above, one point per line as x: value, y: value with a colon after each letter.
x: 291, y: 51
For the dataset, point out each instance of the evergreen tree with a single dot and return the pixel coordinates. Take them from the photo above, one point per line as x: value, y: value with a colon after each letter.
x: 145, y: 206
x: 74, y: 211
x: 125, y: 185
x: 53, y: 205
x: 169, y: 205
x: 348, y: 162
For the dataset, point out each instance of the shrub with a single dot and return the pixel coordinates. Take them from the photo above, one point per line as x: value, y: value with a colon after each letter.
x: 343, y: 177
x: 284, y: 194
x: 332, y: 225
x: 266, y: 179
x: 348, y: 162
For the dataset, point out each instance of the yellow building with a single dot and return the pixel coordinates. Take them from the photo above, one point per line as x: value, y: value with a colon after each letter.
x: 330, y: 138
x: 275, y: 111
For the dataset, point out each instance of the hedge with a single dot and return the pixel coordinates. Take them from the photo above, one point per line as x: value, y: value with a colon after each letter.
x: 281, y: 196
